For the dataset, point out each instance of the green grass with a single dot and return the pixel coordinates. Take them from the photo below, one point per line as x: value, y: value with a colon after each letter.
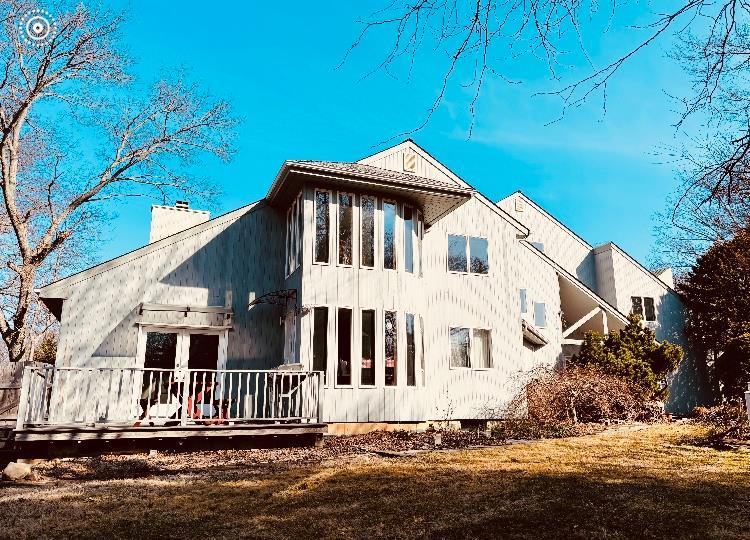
x: 639, y: 484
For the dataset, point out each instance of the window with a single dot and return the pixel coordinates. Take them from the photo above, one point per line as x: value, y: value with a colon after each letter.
x: 644, y: 306
x: 294, y: 235
x: 478, y: 255
x: 391, y: 348
x: 456, y: 253
x: 470, y: 348
x: 368, y: 347
x: 538, y: 245
x: 460, y: 347
x: 649, y: 308
x: 420, y: 236
x: 300, y: 221
x: 320, y: 340
x: 389, y: 235
x: 344, y: 366
x: 411, y: 376
x: 480, y: 349
x: 408, y: 239
x: 637, y: 302
x: 322, y: 225
x: 346, y: 202
x: 540, y: 315
x: 524, y: 303
x: 475, y: 261
x: 367, y: 246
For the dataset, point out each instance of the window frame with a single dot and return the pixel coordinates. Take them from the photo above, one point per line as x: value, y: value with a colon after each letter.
x: 413, y: 316
x: 653, y: 309
x: 338, y: 229
x: 375, y: 200
x: 467, y: 254
x: 326, y: 341
x: 412, y: 238
x: 352, y: 348
x: 294, y: 238
x: 471, y: 330
x: 374, y: 346
x: 314, y: 236
x: 632, y: 306
x: 396, y: 243
x: 447, y: 254
x: 468, y: 258
x: 396, y: 377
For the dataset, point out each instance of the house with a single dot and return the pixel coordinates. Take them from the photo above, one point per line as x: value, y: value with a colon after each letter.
x: 353, y: 295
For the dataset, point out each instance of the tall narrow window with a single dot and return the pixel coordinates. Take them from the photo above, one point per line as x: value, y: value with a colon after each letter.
x: 367, y: 244
x: 346, y: 202
x: 344, y: 365
x: 649, y: 308
x: 524, y: 303
x: 457, y: 253
x: 480, y: 349
x: 411, y: 376
x: 322, y: 225
x: 420, y: 237
x: 289, y: 241
x: 421, y: 349
x: 637, y: 302
x: 459, y: 347
x: 408, y: 239
x: 295, y: 236
x: 300, y: 220
x: 391, y: 348
x: 479, y: 261
x: 368, y: 347
x: 540, y: 315
x: 320, y: 340
x: 389, y: 235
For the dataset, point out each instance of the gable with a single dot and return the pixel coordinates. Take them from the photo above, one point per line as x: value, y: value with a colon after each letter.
x: 424, y: 165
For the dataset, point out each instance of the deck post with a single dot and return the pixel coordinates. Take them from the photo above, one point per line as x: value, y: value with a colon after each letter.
x: 319, y: 406
x: 23, y: 403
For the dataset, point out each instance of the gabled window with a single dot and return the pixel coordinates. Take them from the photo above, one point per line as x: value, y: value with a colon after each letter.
x: 649, y: 308
x: 367, y: 244
x: 538, y: 245
x: 346, y: 234
x: 479, y: 260
x: 389, y: 235
x: 540, y: 315
x: 468, y: 254
x: 637, y: 303
x: 322, y: 225
x: 457, y: 253
x: 644, y: 306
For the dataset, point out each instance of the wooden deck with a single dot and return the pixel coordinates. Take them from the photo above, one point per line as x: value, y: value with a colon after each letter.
x: 61, y: 440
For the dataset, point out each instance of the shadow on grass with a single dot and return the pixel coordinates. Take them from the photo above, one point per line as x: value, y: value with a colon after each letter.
x: 396, y: 499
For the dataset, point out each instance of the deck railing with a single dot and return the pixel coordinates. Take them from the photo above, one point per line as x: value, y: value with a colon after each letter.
x: 171, y: 397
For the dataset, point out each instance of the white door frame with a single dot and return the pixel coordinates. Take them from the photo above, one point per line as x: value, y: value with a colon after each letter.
x: 183, y: 344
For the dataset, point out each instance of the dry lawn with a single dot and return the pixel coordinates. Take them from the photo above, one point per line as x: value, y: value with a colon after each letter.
x: 650, y: 482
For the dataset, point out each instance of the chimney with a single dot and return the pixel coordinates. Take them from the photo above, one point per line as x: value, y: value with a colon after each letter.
x: 169, y: 220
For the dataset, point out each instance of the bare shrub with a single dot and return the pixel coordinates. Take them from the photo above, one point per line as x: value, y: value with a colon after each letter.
x: 579, y: 394
x: 726, y: 421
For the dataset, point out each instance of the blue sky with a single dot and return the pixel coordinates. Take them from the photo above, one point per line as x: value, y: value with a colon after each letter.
x: 601, y: 174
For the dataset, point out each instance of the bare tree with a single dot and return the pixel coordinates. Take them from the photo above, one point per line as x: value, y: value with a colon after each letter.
x: 481, y: 38
x: 76, y: 134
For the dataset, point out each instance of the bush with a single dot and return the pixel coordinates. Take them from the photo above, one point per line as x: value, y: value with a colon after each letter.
x: 732, y: 368
x: 728, y: 420
x: 578, y: 394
